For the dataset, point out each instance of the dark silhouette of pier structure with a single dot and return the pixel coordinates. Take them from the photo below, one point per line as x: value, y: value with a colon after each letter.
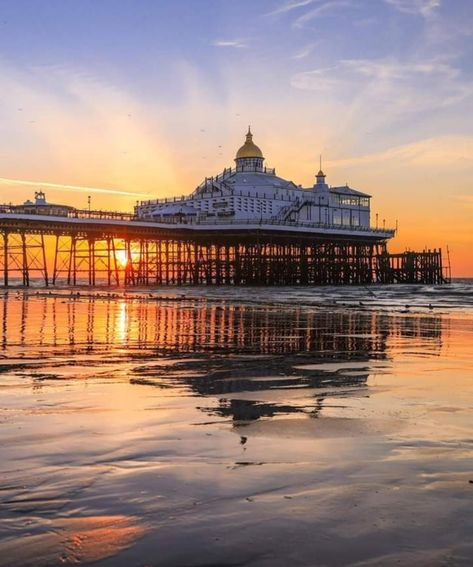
x: 103, y: 248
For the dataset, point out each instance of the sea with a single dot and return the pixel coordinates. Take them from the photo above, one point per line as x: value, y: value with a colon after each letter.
x: 205, y: 427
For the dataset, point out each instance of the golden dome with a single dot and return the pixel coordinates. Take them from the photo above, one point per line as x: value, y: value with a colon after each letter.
x: 249, y: 149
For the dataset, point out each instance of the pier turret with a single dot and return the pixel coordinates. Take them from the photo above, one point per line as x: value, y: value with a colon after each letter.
x: 320, y: 178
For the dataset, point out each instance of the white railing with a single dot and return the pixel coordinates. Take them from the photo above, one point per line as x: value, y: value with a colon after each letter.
x: 264, y: 222
x: 198, y: 221
x: 219, y: 178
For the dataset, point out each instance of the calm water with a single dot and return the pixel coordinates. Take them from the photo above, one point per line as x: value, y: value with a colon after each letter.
x: 225, y: 427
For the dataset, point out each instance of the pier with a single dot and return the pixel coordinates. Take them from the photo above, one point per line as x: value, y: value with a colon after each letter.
x: 117, y: 249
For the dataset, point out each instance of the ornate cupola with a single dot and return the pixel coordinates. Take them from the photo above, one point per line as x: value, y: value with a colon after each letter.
x: 320, y: 178
x: 249, y: 157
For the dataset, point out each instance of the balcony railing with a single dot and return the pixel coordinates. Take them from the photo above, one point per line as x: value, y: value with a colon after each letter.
x: 186, y: 221
x: 219, y: 178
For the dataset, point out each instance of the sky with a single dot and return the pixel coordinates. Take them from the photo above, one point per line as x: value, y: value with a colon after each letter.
x: 127, y: 100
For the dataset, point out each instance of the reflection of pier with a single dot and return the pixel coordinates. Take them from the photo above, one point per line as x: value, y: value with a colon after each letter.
x: 240, y: 355
x: 94, y: 248
x: 197, y: 326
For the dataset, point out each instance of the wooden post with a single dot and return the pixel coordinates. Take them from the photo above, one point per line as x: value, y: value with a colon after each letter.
x: 5, y: 259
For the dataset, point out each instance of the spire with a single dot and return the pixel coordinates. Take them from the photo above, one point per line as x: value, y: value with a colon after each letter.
x: 320, y: 177
x: 249, y: 135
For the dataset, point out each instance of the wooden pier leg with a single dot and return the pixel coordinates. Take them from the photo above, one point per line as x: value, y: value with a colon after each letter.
x: 131, y: 275
x: 45, y: 263
x: 108, y: 252
x: 69, y: 267
x: 74, y: 261
x: 159, y: 263
x: 228, y: 278
x: 166, y: 262
x: 56, y: 252
x: 179, y: 262
x: 26, y: 275
x: 115, y: 263
x: 218, y: 265
x: 5, y: 259
x: 195, y: 265
x: 94, y: 262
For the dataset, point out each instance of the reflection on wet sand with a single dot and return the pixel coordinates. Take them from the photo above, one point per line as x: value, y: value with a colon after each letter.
x: 183, y: 326
x: 147, y: 430
x: 213, y: 333
x: 82, y: 540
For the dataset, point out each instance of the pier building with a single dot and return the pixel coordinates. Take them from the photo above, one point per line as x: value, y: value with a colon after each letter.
x: 252, y: 192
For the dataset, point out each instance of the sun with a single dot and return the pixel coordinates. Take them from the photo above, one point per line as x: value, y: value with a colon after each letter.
x: 121, y: 258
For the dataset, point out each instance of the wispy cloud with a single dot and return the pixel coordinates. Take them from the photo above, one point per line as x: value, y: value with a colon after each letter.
x: 289, y: 6
x: 416, y: 7
x: 236, y: 43
x: 320, y: 11
x: 392, y: 69
x: 390, y: 84
x: 441, y: 152
x: 304, y: 52
x: 79, y: 188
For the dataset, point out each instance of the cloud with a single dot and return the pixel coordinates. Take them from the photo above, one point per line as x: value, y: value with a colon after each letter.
x: 441, y: 152
x: 415, y: 7
x: 397, y: 86
x: 236, y: 43
x: 320, y: 11
x: 79, y: 188
x: 289, y: 6
x: 304, y: 52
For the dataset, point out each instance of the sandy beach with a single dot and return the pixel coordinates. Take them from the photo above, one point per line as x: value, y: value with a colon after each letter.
x: 262, y: 427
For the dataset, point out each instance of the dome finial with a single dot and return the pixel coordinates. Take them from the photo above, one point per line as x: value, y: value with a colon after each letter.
x: 321, y: 173
x: 249, y: 135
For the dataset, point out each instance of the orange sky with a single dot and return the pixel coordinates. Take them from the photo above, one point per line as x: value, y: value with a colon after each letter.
x: 389, y: 110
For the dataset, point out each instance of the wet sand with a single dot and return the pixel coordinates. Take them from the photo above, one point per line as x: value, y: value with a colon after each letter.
x: 225, y: 427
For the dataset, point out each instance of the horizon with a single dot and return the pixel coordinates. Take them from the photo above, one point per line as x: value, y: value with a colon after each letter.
x: 383, y: 92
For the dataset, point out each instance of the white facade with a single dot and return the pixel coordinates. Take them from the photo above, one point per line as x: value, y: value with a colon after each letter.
x: 253, y: 193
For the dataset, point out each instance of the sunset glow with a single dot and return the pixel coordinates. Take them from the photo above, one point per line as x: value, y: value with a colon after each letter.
x: 381, y: 89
